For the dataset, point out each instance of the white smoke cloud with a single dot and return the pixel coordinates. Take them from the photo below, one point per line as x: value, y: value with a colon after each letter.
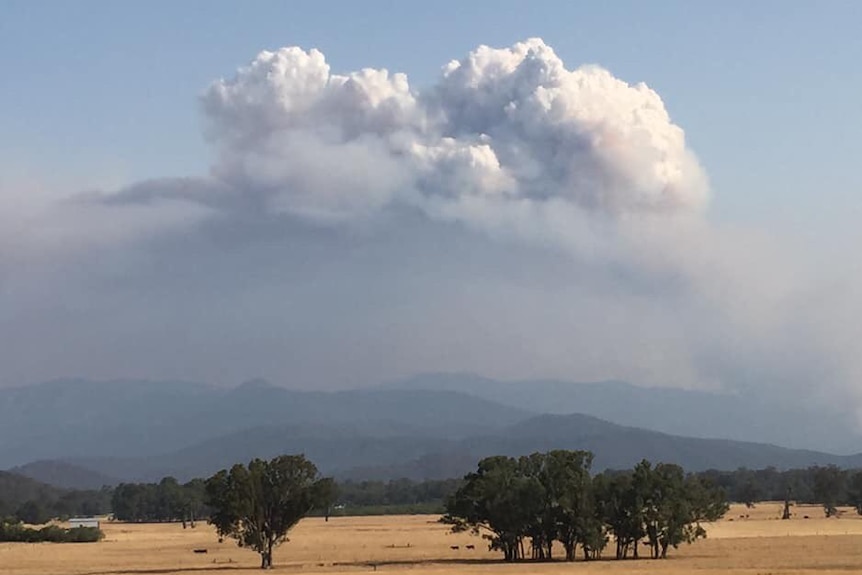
x: 507, y: 137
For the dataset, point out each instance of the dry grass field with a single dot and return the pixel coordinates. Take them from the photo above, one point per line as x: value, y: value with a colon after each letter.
x: 757, y: 544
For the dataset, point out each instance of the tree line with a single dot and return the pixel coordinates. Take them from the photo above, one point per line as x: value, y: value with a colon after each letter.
x: 398, y: 496
x: 165, y: 501
x: 168, y: 500
x: 171, y: 501
x: 528, y: 503
x: 829, y: 486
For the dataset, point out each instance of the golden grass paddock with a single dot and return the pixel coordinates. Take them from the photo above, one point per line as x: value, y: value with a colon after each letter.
x: 758, y: 544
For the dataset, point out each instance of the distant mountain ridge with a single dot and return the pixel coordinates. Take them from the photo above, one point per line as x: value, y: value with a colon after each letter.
x: 78, y: 419
x: 675, y: 411
x: 347, y: 454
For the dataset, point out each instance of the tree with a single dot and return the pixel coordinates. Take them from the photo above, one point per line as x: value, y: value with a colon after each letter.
x: 619, y: 507
x: 134, y: 502
x: 169, y: 499
x: 675, y: 506
x: 326, y: 494
x: 193, y: 501
x: 788, y: 493
x: 257, y: 505
x: 854, y: 491
x: 749, y: 494
x: 33, y: 512
x: 658, y: 503
x: 687, y: 503
x: 498, y: 502
x: 550, y: 497
x: 571, y: 503
x: 545, y: 497
x: 828, y: 488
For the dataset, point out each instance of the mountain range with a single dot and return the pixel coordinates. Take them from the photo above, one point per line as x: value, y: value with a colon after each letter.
x: 739, y: 416
x: 78, y: 433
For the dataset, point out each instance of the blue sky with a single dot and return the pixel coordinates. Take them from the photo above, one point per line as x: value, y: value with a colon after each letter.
x: 105, y: 93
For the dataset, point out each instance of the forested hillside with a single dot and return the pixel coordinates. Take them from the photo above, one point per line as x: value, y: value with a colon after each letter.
x: 35, y: 502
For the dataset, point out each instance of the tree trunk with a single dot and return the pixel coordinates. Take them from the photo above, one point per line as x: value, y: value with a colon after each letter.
x: 266, y: 556
x: 623, y: 549
x: 537, y: 548
x: 787, y: 494
x: 510, y: 551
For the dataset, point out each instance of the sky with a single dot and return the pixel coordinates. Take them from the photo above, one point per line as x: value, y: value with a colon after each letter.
x: 334, y: 194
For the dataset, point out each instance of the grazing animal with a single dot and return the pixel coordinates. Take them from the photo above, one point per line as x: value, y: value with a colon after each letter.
x: 454, y: 547
x: 471, y: 546
x: 200, y: 550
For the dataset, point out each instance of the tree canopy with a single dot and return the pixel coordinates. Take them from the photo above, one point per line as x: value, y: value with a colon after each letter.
x: 258, y: 504
x: 547, y: 497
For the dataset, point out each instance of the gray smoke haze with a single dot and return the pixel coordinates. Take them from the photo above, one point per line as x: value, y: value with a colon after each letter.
x: 516, y: 218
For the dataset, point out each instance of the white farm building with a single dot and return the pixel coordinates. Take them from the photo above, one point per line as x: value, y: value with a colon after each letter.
x: 84, y: 522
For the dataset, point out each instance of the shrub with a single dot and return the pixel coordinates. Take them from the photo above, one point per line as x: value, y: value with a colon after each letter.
x: 16, y: 532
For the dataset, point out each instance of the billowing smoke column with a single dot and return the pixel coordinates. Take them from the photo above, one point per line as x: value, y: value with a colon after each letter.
x: 506, y: 137
x: 508, y: 142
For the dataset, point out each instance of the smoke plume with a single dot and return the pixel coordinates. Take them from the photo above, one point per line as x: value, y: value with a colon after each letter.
x: 506, y: 137
x: 517, y: 218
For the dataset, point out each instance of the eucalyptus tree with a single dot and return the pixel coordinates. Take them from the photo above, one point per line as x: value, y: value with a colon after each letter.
x: 258, y: 505
x: 499, y: 502
x: 550, y: 497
